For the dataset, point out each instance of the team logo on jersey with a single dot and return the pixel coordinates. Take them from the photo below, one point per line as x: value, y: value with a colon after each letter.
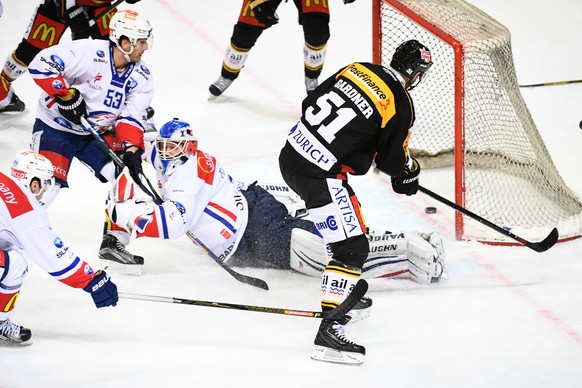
x: 57, y: 63
x: 57, y: 84
x: 145, y: 69
x: 58, y: 242
x: 206, y: 168
x: 100, y: 53
x: 62, y: 122
x: 88, y: 270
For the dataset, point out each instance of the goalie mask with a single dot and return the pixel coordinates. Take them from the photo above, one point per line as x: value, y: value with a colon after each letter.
x: 28, y: 167
x: 129, y: 24
x: 410, y: 58
x: 175, y: 144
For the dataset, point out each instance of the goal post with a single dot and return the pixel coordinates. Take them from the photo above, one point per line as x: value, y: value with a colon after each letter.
x: 473, y: 124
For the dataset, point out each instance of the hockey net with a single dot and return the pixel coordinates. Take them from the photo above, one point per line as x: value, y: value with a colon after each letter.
x: 471, y: 115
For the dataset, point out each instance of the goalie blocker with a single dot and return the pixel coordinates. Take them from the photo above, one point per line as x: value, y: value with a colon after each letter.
x: 412, y: 255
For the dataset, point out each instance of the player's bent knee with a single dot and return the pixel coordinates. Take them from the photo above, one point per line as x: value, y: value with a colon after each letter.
x: 352, y: 251
x: 315, y: 28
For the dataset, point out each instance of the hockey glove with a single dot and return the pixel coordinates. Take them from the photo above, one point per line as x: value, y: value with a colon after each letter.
x: 131, y: 215
x: 78, y: 21
x: 348, y: 1
x: 407, y: 183
x: 102, y: 290
x: 264, y: 11
x: 131, y: 1
x: 123, y: 188
x: 72, y: 109
x: 132, y: 159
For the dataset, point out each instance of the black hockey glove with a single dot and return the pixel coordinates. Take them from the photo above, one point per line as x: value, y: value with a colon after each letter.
x: 72, y: 109
x: 77, y: 20
x: 348, y: 1
x: 131, y: 1
x: 132, y: 159
x: 264, y: 11
x: 407, y: 183
x: 102, y: 290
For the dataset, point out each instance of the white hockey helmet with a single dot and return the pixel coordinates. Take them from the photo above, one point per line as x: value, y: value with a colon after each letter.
x: 28, y: 166
x: 132, y: 25
x: 175, y: 144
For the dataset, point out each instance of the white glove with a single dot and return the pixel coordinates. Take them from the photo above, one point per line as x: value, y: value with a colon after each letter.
x: 132, y: 215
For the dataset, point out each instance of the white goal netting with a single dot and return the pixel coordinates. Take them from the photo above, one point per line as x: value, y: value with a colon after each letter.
x: 471, y: 116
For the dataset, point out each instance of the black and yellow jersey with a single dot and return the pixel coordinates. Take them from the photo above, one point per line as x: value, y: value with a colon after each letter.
x: 359, y: 115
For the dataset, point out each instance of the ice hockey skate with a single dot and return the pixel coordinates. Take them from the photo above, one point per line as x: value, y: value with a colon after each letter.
x: 310, y: 84
x: 331, y: 344
x: 15, y: 105
x: 360, y: 311
x: 220, y: 85
x: 14, y: 335
x: 115, y: 256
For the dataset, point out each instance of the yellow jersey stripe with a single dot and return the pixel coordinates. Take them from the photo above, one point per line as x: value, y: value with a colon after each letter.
x: 374, y: 87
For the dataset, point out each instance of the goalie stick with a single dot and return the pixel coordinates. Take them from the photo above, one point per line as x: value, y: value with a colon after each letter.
x: 576, y: 81
x: 256, y: 282
x: 353, y: 298
x: 541, y: 246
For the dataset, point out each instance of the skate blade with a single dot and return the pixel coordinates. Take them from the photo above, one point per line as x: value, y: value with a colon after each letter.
x: 10, y: 343
x: 122, y: 269
x: 322, y: 353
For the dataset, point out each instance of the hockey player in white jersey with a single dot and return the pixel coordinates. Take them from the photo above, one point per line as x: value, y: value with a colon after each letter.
x: 105, y: 81
x: 24, y: 226
x: 248, y: 225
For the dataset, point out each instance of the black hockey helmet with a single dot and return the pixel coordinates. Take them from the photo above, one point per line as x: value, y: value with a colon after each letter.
x: 412, y: 57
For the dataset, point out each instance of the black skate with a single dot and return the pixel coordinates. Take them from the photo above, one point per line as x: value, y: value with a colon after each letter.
x: 14, y: 335
x: 117, y: 257
x: 220, y: 85
x: 15, y: 105
x: 331, y: 344
x: 360, y: 311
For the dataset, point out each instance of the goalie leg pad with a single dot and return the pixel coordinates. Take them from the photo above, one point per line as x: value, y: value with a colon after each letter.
x: 308, y: 254
x: 426, y: 257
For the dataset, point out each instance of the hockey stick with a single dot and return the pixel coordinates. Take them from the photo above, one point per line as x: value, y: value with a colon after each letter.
x: 552, y: 83
x: 158, y: 200
x: 541, y: 246
x: 353, y: 298
x: 93, y: 21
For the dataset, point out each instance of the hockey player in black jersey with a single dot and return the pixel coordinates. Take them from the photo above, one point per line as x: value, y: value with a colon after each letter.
x: 258, y: 15
x: 361, y: 115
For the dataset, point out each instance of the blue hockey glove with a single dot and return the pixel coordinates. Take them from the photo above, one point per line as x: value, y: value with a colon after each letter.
x: 102, y: 290
x: 408, y: 182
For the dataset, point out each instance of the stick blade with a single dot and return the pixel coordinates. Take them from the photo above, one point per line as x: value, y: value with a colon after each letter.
x: 546, y: 243
x: 353, y: 298
x: 256, y: 282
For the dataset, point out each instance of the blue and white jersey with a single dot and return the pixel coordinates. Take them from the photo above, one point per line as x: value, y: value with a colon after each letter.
x: 112, y: 97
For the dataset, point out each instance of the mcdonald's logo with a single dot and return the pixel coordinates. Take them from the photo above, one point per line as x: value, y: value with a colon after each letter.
x: 107, y: 18
x: 322, y: 3
x: 247, y: 11
x: 44, y: 30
